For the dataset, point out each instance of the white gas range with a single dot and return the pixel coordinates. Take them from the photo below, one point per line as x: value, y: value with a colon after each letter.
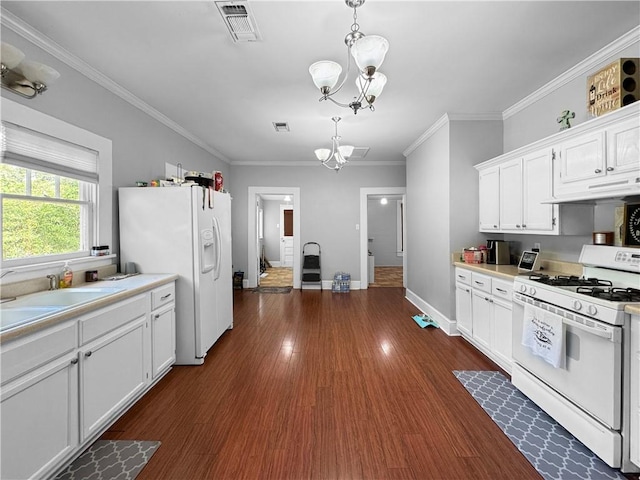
x: 588, y: 392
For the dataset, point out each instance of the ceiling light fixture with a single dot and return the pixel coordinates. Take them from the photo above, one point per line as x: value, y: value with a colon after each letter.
x: 24, y: 78
x: 368, y: 53
x: 337, y: 157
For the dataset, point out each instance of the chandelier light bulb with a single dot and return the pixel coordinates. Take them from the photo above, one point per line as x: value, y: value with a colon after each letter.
x: 10, y: 56
x: 322, y: 154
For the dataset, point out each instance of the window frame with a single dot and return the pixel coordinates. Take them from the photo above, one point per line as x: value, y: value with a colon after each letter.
x: 102, y: 221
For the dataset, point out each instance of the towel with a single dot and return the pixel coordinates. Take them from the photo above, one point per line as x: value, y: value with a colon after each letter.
x: 543, y: 334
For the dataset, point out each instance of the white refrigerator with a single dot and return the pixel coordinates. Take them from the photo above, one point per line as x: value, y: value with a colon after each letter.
x: 187, y: 231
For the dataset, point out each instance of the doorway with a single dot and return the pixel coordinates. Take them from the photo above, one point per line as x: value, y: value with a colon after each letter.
x: 394, y: 238
x: 259, y: 225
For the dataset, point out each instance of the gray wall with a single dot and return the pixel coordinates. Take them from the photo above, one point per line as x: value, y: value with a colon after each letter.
x: 141, y: 145
x: 442, y: 205
x: 329, y: 208
x: 382, y: 225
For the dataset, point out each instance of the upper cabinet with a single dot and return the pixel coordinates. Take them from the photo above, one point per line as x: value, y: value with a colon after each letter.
x: 531, y: 189
x: 600, y: 160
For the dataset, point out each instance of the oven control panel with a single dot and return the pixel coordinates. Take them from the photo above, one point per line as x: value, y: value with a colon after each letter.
x: 628, y: 258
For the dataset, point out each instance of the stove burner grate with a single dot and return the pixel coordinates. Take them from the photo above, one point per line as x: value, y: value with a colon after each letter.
x: 569, y: 281
x: 612, y: 294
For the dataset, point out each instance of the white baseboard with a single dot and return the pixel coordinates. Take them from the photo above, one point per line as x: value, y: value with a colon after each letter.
x: 446, y: 325
x: 274, y: 264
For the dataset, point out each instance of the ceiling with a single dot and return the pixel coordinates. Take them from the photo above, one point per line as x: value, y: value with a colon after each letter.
x: 445, y: 57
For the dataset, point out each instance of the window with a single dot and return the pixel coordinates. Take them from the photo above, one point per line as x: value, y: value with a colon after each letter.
x: 55, y: 190
x: 44, y: 215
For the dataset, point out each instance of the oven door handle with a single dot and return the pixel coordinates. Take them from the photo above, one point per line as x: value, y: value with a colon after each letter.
x: 608, y: 334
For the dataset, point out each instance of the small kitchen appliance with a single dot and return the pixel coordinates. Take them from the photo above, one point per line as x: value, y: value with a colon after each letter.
x: 498, y: 252
x: 589, y: 393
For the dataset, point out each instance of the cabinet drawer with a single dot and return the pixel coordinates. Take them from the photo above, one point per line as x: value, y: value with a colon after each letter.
x: 481, y: 282
x: 463, y: 276
x: 501, y: 289
x: 25, y: 354
x: 163, y: 295
x: 109, y: 318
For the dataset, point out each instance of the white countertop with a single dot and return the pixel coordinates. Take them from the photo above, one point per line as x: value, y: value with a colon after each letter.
x: 132, y: 286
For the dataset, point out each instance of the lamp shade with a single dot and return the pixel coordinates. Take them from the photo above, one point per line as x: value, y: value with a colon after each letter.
x: 325, y: 74
x: 322, y: 154
x: 346, y: 150
x: 10, y: 56
x: 38, y: 72
x: 377, y: 83
x: 370, y: 51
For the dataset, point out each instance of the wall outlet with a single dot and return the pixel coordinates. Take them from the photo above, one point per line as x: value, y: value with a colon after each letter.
x: 536, y: 246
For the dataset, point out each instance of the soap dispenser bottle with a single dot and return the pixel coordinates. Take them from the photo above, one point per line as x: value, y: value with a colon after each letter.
x: 66, y: 277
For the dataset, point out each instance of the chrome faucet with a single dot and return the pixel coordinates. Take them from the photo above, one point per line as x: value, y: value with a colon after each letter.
x: 54, y: 281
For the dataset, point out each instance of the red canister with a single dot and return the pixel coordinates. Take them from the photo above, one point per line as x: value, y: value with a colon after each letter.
x: 217, y: 181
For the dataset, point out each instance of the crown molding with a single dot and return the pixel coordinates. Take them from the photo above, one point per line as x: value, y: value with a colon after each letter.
x: 444, y: 120
x: 26, y: 31
x: 586, y: 66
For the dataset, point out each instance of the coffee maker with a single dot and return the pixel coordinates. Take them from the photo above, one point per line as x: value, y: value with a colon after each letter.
x: 498, y: 252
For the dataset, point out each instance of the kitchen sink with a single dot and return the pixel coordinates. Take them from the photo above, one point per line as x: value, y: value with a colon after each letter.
x: 15, y: 316
x: 65, y: 297
x: 35, y: 306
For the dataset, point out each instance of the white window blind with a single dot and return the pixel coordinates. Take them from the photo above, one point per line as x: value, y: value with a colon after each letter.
x: 27, y: 148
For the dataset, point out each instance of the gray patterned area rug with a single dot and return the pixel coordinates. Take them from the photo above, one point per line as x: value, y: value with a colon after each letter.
x: 110, y: 460
x: 551, y: 449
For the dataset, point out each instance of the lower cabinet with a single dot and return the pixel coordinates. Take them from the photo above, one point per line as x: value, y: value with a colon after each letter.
x: 64, y: 385
x: 113, y: 371
x: 39, y: 414
x: 483, y: 314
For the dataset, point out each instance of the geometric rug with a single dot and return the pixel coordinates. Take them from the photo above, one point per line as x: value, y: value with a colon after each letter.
x: 110, y: 460
x: 552, y: 450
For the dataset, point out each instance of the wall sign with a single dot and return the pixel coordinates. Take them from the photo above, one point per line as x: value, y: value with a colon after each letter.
x: 631, y: 227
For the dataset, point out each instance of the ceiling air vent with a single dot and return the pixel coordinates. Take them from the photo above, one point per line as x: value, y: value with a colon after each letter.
x: 281, y: 126
x: 359, y: 152
x: 239, y: 20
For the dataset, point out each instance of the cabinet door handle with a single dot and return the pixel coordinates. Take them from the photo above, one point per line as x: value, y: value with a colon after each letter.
x: 524, y: 226
x: 74, y: 361
x: 88, y: 354
x: 597, y: 170
x: 501, y: 290
x: 609, y: 169
x: 478, y: 283
x: 165, y: 297
x: 495, y: 226
x: 156, y: 316
x: 517, y: 225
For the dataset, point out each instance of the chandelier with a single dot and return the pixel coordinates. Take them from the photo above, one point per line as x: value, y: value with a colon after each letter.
x: 368, y: 53
x: 337, y: 157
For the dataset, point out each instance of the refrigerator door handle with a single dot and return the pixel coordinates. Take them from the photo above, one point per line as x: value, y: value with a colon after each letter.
x: 216, y: 228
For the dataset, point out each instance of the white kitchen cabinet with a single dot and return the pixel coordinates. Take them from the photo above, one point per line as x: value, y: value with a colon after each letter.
x: 113, y: 371
x: 163, y: 340
x: 463, y: 308
x: 634, y: 394
x: 489, y: 199
x: 483, y: 314
x: 525, y: 185
x: 39, y: 414
x: 163, y: 329
x: 603, y: 161
x: 501, y: 292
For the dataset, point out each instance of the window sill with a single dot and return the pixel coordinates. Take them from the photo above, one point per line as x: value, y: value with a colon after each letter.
x: 37, y: 270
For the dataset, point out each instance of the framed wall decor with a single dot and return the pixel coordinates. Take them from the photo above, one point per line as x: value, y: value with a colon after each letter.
x: 631, y: 226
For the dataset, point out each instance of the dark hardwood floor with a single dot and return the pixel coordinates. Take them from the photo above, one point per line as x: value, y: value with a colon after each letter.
x: 325, y: 386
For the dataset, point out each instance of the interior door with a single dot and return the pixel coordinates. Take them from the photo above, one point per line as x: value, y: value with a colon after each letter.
x: 286, y: 236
